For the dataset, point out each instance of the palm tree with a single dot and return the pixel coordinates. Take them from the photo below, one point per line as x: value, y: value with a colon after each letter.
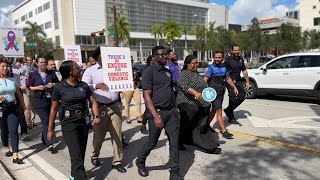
x: 171, y: 31
x: 34, y: 32
x: 123, y: 29
x: 157, y: 32
x: 184, y: 30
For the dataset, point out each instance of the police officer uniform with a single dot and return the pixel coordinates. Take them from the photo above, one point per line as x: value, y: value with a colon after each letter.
x: 217, y: 75
x: 234, y: 67
x: 158, y: 79
x: 74, y: 116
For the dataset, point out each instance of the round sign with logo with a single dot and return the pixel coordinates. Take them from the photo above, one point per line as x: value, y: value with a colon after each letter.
x: 209, y: 94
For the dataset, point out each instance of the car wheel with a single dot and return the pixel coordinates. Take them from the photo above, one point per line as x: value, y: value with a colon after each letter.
x: 318, y: 96
x: 251, y: 93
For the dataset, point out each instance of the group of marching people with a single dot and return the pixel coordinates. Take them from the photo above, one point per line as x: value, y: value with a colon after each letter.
x: 173, y: 100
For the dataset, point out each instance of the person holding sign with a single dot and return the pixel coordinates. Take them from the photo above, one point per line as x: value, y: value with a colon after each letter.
x: 160, y: 101
x: 41, y: 82
x: 194, y: 110
x: 217, y: 76
x: 109, y: 113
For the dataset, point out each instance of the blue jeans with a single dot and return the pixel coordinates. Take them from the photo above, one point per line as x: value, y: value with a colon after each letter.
x: 42, y: 107
x: 10, y: 123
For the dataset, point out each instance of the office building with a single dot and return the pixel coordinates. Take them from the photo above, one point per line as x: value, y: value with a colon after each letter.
x: 69, y: 22
x: 309, y: 14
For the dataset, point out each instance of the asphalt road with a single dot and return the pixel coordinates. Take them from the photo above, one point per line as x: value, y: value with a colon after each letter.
x: 278, y: 139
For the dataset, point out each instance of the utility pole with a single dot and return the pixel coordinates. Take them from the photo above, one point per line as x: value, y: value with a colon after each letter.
x: 106, y: 23
x: 116, y: 36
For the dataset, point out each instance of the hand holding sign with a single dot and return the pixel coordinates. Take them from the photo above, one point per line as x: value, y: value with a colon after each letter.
x: 209, y: 94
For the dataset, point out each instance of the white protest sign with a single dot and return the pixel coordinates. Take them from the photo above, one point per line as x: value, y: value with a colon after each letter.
x: 72, y: 53
x: 11, y: 44
x: 117, y: 68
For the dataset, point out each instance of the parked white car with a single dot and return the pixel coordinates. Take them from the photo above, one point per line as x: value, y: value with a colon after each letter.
x: 296, y: 74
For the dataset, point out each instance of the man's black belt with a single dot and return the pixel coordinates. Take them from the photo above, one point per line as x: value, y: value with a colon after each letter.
x: 107, y: 104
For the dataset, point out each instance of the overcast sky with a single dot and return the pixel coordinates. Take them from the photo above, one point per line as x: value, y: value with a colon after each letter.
x: 241, y: 11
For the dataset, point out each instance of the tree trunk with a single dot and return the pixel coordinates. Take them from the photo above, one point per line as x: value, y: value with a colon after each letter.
x: 185, y: 42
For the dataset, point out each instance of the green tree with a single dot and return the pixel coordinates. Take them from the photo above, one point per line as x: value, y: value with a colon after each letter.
x: 123, y: 29
x: 156, y: 31
x: 200, y: 33
x: 171, y: 31
x: 184, y: 31
x: 255, y: 34
x: 34, y: 33
x: 314, y: 39
x: 289, y: 38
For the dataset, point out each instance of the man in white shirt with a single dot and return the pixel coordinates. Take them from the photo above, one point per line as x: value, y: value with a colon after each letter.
x: 110, y: 114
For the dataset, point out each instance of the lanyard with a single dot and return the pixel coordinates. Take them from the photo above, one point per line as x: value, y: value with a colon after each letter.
x: 44, y: 78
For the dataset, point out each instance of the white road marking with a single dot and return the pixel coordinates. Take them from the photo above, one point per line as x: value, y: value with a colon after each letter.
x: 284, y: 107
x: 48, y: 168
x: 288, y: 122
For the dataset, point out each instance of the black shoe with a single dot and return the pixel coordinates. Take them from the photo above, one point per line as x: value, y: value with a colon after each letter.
x: 182, y: 148
x: 95, y: 162
x: 124, y: 144
x: 144, y: 130
x: 119, y: 168
x: 142, y: 170
x: 50, y: 148
x: 215, y: 151
x: 17, y: 161
x: 227, y: 135
x: 175, y: 176
x: 8, y: 154
x: 233, y: 121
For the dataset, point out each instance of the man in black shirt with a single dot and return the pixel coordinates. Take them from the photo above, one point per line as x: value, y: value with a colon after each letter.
x: 235, y: 64
x: 161, y: 112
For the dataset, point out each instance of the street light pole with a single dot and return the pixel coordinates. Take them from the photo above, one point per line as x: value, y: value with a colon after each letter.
x: 116, y: 36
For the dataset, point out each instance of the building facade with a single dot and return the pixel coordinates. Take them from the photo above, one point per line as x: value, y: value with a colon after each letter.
x: 309, y: 14
x: 270, y: 25
x: 69, y: 22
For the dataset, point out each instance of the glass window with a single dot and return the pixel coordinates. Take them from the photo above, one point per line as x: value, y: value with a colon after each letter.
x: 57, y: 41
x: 47, y: 25
x: 283, y: 63
x: 46, y: 6
x: 316, y: 21
x: 39, y: 9
x: 55, y: 14
x: 314, y: 7
x: 308, y: 61
x: 41, y: 26
x: 23, y: 18
x: 30, y: 14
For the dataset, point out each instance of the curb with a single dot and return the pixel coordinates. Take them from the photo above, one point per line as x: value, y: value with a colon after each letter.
x: 5, y: 172
x: 278, y: 142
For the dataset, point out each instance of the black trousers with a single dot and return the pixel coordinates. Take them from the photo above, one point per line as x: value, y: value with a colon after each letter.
x: 235, y: 101
x: 42, y: 107
x: 76, y: 135
x: 190, y: 115
x: 10, y: 122
x: 171, y: 125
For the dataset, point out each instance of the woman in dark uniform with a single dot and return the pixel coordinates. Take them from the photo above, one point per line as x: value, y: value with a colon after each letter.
x: 9, y: 112
x: 70, y: 96
x: 41, y: 82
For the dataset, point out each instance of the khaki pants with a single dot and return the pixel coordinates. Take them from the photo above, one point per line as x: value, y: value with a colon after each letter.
x: 128, y: 95
x: 31, y: 116
x: 111, y: 122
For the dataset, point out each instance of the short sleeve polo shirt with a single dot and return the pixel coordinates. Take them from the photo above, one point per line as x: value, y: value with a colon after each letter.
x: 158, y: 79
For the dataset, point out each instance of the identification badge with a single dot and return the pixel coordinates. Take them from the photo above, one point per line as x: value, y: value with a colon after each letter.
x: 87, y: 120
x: 1, y: 113
x: 67, y: 114
x: 48, y: 95
x: 103, y: 114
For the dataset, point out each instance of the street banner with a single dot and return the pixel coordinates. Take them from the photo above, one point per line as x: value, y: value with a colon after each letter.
x: 117, y: 68
x: 73, y: 53
x: 11, y: 44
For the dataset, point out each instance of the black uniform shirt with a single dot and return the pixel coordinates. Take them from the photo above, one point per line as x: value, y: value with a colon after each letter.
x: 73, y: 97
x: 158, y: 79
x: 234, y: 67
